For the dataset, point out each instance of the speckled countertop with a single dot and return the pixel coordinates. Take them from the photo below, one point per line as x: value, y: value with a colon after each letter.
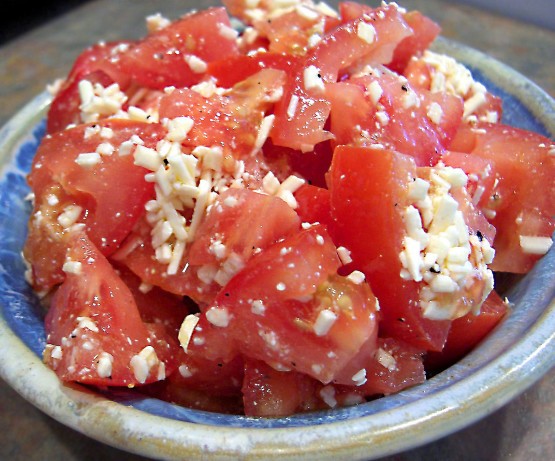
x: 522, y: 430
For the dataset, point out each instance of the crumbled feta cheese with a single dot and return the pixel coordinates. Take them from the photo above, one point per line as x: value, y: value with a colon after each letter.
x: 325, y: 320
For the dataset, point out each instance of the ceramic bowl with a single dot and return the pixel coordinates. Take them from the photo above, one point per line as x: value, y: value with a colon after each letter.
x: 515, y: 356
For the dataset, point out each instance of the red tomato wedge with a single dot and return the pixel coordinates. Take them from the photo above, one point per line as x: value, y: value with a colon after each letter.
x: 177, y: 55
x: 94, y: 330
x: 67, y: 192
x: 311, y: 323
x: 521, y: 210
x: 467, y: 332
x: 376, y: 181
x: 268, y: 392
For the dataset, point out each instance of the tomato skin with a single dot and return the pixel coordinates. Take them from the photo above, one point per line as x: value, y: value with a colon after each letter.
x: 424, y: 32
x: 516, y: 207
x: 467, y: 332
x: 112, y: 325
x: 158, y: 60
x: 405, y: 370
x: 376, y: 181
x: 245, y: 222
x: 271, y: 393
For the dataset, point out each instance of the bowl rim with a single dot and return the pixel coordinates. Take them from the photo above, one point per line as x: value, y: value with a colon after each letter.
x: 432, y: 417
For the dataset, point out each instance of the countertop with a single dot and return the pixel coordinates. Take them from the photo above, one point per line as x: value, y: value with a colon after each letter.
x: 524, y: 429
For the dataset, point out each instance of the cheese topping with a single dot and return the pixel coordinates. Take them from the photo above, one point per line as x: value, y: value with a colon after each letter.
x: 440, y: 252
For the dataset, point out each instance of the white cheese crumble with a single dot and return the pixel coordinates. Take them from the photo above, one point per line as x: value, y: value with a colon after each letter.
x: 325, y: 320
x: 439, y: 251
x: 536, y: 245
x: 218, y: 316
x: 196, y: 64
x: 450, y: 76
x: 366, y: 32
x: 186, y: 330
x: 312, y: 79
x: 386, y: 360
x: 98, y: 102
x: 142, y: 363
x: 104, y: 364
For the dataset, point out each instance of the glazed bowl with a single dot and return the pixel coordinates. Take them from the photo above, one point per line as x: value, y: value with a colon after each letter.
x: 518, y: 353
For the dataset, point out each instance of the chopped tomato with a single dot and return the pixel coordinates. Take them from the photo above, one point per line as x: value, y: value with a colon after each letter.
x: 376, y: 181
x: 235, y: 69
x: 384, y: 109
x: 231, y: 121
x: 269, y: 392
x: 97, y: 64
x: 522, y: 211
x: 395, y: 366
x: 138, y: 254
x: 424, y: 32
x: 314, y: 205
x: 94, y: 329
x: 272, y: 313
x: 177, y: 55
x: 467, y: 332
x: 61, y: 185
x: 240, y: 224
x: 305, y: 95
x: 202, y: 384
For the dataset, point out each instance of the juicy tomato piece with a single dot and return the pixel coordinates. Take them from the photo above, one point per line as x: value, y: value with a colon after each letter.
x: 310, y: 323
x: 202, y: 384
x: 370, y: 38
x: 67, y: 192
x: 177, y: 55
x: 272, y: 393
x: 312, y: 165
x: 369, y: 188
x: 467, y: 332
x: 231, y: 121
x: 522, y: 211
x: 395, y: 366
x: 242, y: 223
x: 424, y: 32
x: 383, y: 108
x: 154, y: 304
x: 314, y: 205
x: 97, y: 64
x: 235, y: 69
x: 95, y: 333
x: 138, y: 254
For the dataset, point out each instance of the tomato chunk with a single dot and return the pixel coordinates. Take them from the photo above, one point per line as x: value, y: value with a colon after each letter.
x: 522, y: 211
x: 177, y: 55
x: 268, y: 311
x: 67, y: 192
x: 94, y: 330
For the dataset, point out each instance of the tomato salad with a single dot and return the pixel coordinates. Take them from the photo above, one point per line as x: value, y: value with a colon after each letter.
x: 299, y: 213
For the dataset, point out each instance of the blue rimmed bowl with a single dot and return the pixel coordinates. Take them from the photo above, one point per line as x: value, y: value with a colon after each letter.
x: 515, y: 356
